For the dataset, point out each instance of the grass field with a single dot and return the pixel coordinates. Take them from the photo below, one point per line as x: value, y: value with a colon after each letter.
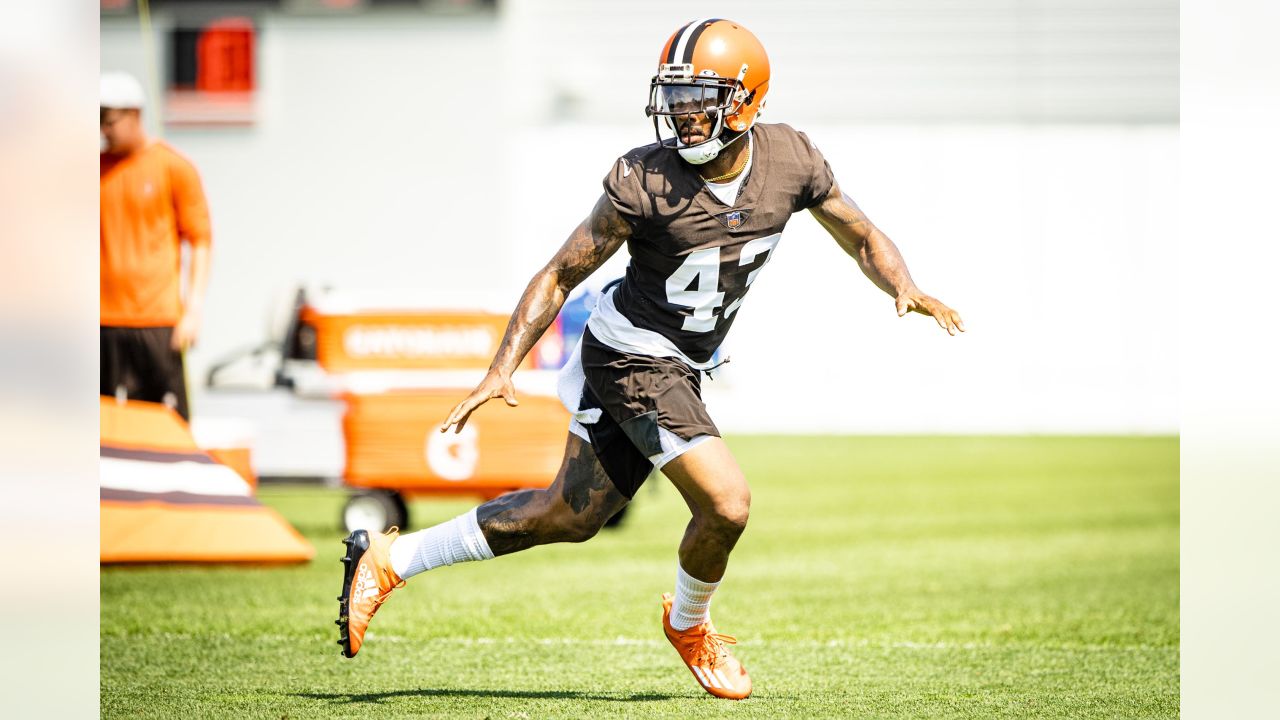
x: 879, y: 577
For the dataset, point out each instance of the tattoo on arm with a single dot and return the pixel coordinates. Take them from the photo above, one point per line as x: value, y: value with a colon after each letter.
x: 593, y: 242
x: 875, y: 253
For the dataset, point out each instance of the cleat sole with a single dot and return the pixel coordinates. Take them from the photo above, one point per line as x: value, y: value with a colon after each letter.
x: 357, y: 543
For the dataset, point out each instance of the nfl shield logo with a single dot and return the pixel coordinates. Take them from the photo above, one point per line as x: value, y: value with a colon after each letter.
x: 734, y: 219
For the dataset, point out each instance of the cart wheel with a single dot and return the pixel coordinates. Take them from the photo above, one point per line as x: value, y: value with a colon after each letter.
x: 374, y: 510
x: 402, y: 520
x: 616, y: 520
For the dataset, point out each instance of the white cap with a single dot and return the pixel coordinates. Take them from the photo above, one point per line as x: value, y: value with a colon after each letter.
x: 120, y: 90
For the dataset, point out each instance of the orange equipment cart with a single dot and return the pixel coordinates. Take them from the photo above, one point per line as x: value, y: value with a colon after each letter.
x: 400, y: 372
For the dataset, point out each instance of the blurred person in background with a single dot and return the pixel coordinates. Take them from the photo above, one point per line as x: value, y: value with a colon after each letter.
x: 701, y: 212
x: 151, y: 202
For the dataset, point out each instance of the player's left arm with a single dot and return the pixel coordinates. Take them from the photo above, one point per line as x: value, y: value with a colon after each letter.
x: 879, y: 258
x: 191, y: 211
x: 188, y: 327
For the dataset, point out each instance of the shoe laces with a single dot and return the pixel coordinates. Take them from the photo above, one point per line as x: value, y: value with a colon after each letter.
x: 387, y: 593
x: 393, y: 531
x: 711, y: 650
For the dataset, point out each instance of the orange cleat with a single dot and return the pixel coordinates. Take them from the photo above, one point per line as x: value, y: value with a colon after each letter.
x: 366, y: 584
x: 704, y: 651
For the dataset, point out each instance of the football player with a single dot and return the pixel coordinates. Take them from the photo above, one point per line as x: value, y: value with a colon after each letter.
x: 700, y: 211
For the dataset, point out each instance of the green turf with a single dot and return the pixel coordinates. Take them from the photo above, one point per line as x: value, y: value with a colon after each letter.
x: 879, y: 577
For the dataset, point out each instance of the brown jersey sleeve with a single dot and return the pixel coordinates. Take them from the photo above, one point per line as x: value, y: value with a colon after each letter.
x: 623, y: 188
x: 820, y: 178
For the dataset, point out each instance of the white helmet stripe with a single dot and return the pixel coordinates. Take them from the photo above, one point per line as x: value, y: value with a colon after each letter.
x: 688, y: 33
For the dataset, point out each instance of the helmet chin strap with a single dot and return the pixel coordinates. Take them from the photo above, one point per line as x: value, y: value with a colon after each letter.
x: 705, y: 152
x: 702, y: 153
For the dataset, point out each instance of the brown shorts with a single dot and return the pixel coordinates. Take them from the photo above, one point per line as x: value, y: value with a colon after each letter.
x: 141, y: 361
x: 651, y: 407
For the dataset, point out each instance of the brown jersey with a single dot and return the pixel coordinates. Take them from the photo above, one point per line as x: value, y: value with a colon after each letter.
x: 692, y: 257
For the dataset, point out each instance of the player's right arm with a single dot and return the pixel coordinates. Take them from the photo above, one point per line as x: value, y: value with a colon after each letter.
x: 593, y: 242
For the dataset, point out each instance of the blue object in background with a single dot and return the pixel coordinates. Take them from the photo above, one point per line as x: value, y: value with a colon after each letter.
x: 552, y: 352
x: 574, y: 314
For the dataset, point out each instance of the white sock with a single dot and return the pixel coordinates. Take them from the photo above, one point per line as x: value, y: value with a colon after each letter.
x: 692, y: 605
x: 453, y: 541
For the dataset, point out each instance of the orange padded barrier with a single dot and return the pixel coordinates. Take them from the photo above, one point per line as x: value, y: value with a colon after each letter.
x: 162, y: 499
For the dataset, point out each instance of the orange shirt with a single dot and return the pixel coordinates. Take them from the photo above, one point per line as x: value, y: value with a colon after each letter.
x: 151, y: 200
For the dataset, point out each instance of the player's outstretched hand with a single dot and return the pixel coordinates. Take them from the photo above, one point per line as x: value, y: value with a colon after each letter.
x: 494, y: 385
x: 947, y: 318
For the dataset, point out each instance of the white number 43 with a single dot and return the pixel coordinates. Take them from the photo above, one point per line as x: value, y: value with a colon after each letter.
x: 701, y: 270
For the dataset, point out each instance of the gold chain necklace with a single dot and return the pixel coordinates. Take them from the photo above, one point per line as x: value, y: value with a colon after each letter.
x: 735, y: 172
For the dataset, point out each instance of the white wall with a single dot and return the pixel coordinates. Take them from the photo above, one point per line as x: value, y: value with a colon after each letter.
x: 859, y: 61
x: 390, y: 152
x: 367, y: 167
x: 1055, y: 245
